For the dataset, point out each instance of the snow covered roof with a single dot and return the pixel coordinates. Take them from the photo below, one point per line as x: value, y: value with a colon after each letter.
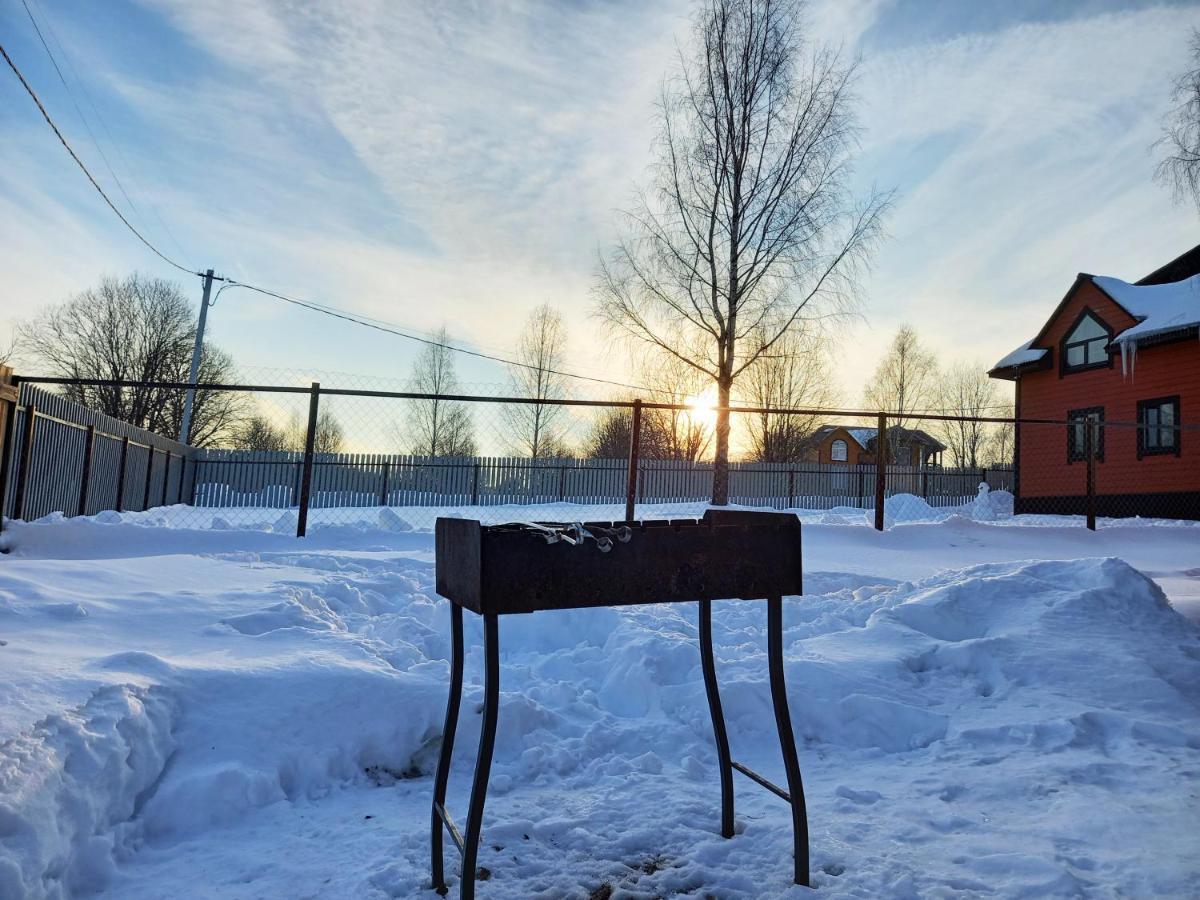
x: 1024, y: 354
x: 862, y: 436
x: 1159, y: 307
x: 865, y: 436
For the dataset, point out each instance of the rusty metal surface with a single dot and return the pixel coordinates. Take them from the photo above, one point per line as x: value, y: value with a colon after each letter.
x: 512, y: 569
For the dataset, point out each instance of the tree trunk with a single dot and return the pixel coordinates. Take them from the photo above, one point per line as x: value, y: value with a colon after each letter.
x: 720, y: 491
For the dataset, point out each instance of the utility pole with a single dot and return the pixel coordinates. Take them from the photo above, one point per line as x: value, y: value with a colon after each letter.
x: 186, y: 425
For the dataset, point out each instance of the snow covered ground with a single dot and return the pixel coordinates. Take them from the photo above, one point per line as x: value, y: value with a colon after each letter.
x: 1007, y: 707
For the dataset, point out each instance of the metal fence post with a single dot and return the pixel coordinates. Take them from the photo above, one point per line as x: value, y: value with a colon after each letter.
x: 149, y: 478
x: 9, y: 394
x: 85, y: 477
x: 383, y: 488
x: 791, y: 488
x: 166, y: 478
x: 192, y: 485
x: 26, y: 460
x: 310, y: 439
x: 881, y: 457
x: 475, y: 486
x: 635, y: 447
x: 1089, y: 452
x: 121, y: 474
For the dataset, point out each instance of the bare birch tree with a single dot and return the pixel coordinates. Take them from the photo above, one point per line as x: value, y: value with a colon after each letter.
x: 1180, y: 167
x: 537, y: 430
x: 748, y: 217
x: 794, y: 374
x: 436, y: 426
x: 1001, y: 446
x: 904, y: 381
x: 258, y: 432
x: 684, y: 434
x: 328, y: 437
x: 8, y: 352
x: 966, y: 390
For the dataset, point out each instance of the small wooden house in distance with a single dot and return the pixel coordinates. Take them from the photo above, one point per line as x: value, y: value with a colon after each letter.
x: 1127, y: 355
x: 851, y: 445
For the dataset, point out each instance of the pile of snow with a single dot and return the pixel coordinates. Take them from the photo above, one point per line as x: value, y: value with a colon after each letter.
x: 370, y: 519
x: 257, y: 716
x: 906, y: 508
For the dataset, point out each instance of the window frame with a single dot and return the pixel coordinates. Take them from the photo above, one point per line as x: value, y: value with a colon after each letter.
x: 833, y: 453
x: 1064, y: 366
x: 1074, y: 453
x: 1177, y: 428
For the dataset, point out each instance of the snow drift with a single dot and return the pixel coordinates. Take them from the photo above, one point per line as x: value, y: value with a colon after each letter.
x: 266, y: 716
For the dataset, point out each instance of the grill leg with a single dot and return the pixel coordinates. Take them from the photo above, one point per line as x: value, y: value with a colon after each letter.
x: 451, y: 726
x: 787, y: 740
x: 487, y: 742
x: 724, y: 764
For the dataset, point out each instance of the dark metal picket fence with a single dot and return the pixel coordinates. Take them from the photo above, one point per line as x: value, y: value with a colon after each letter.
x: 59, y: 456
x: 273, y: 479
x: 71, y: 459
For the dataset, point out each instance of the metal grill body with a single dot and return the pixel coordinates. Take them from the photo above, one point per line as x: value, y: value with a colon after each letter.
x: 509, y: 569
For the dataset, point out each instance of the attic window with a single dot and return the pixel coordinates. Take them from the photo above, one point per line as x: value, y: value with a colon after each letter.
x: 838, y: 451
x: 1086, y: 344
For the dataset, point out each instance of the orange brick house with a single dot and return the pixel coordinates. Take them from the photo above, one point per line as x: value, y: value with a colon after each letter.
x: 1128, y: 356
x: 852, y: 446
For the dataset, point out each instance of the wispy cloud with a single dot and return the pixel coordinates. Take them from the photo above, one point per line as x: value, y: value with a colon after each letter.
x: 460, y: 163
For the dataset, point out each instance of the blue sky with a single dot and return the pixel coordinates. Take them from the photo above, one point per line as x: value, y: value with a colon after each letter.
x: 460, y: 163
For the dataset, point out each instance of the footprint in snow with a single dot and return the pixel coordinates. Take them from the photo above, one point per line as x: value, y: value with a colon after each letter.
x: 862, y: 798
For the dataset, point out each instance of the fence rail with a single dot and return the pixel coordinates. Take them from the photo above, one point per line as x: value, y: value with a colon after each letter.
x: 60, y: 456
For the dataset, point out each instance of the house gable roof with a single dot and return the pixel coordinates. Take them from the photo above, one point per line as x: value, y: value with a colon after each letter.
x: 865, y: 437
x: 1165, y: 301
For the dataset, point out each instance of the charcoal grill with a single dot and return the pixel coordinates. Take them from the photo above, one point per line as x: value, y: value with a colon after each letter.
x: 526, y: 567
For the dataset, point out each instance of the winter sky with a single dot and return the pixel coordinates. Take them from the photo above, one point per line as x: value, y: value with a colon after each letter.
x: 460, y: 163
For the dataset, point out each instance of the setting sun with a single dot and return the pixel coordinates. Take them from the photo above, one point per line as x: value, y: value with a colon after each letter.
x: 703, y: 408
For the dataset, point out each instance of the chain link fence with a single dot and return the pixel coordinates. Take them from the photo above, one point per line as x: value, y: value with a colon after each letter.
x: 295, y: 457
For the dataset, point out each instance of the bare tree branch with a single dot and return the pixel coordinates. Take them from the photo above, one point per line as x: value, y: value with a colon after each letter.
x: 1180, y: 167
x: 748, y: 218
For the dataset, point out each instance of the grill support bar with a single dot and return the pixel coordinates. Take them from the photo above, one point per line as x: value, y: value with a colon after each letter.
x: 765, y: 782
x: 724, y: 763
x: 468, y: 845
x: 787, y: 740
x: 443, y: 768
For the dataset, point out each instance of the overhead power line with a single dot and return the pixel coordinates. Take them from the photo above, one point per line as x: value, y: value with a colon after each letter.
x: 269, y: 293
x: 45, y: 115
x: 82, y: 118
x: 348, y: 317
x: 99, y: 116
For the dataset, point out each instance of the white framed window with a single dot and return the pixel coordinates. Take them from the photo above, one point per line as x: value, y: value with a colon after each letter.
x: 838, y: 451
